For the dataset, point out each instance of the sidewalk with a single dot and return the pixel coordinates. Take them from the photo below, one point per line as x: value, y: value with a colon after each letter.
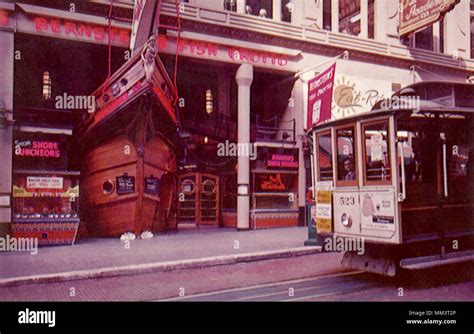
x: 189, y: 248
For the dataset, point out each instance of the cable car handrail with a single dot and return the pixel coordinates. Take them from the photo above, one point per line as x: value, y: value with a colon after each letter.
x: 402, y: 163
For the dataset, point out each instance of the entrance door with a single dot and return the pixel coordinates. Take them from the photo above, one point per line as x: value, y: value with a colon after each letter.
x: 198, y: 199
x: 438, y: 196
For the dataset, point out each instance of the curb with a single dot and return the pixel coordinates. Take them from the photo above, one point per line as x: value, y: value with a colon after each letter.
x: 147, y: 268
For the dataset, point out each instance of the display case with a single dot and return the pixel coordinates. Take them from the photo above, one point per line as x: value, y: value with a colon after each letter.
x: 45, y: 189
x: 46, y: 206
x: 274, y: 196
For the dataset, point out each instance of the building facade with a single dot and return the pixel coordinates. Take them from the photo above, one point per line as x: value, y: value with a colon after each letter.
x: 236, y: 77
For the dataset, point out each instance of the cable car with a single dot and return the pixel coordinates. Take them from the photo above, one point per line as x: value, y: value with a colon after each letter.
x: 400, y: 178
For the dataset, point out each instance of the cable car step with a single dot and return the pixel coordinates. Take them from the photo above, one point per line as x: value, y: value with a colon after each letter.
x: 436, y: 260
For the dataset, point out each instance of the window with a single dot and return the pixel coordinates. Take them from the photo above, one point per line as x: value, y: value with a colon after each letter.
x: 230, y: 5
x: 441, y: 36
x: 346, y: 158
x: 324, y: 147
x: 327, y: 18
x: 371, y: 19
x: 349, y: 17
x: 424, y: 39
x: 46, y: 85
x: 287, y: 7
x: 376, y: 153
x: 262, y: 8
x: 472, y: 36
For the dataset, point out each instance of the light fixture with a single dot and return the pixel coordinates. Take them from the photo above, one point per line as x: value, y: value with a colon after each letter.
x: 46, y: 85
x: 206, y: 139
x: 209, y: 102
x: 346, y: 220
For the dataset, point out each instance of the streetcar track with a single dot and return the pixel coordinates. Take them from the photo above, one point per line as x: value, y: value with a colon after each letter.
x: 342, y: 283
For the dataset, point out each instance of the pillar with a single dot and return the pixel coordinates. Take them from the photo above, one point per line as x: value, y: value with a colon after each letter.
x: 241, y: 6
x: 277, y: 10
x: 6, y: 128
x: 364, y: 18
x: 300, y: 109
x: 244, y: 78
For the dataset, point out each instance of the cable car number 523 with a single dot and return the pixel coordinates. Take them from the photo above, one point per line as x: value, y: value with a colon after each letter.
x: 347, y: 200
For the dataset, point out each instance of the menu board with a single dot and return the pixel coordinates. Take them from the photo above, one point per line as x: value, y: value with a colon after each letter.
x: 125, y: 184
x: 152, y: 185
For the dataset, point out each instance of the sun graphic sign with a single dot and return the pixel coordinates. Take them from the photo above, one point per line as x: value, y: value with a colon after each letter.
x: 356, y: 95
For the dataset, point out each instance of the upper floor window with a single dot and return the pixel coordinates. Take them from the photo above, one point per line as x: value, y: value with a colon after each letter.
x: 262, y: 8
x: 287, y: 7
x: 371, y: 19
x: 230, y: 5
x: 424, y: 39
x: 327, y: 17
x: 472, y: 29
x: 349, y: 17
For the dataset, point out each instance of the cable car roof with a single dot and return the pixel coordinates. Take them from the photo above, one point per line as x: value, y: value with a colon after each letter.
x: 429, y: 97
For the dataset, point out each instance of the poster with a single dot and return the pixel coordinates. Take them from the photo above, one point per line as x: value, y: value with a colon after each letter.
x: 324, y: 207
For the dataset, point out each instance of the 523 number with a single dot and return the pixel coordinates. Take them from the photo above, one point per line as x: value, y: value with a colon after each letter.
x: 347, y: 200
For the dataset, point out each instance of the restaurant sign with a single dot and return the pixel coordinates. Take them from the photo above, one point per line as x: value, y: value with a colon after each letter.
x: 44, y: 182
x: 418, y: 14
x: 222, y: 52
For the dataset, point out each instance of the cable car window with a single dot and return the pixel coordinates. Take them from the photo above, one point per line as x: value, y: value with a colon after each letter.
x: 376, y: 153
x: 346, y: 158
x: 324, y: 146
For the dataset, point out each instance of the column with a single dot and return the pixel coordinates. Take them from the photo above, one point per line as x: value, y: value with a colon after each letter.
x: 277, y: 10
x: 381, y: 21
x: 299, y: 111
x: 241, y: 6
x: 6, y: 128
x: 297, y: 17
x: 335, y: 15
x: 364, y: 18
x: 244, y: 78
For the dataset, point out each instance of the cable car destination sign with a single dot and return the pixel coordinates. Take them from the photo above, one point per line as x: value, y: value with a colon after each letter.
x: 418, y: 14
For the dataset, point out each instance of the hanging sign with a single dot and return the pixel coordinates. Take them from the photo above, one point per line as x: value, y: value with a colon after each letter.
x: 320, y: 91
x: 418, y: 14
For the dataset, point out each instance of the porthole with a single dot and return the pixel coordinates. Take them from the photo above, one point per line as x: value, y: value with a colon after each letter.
x: 108, y: 187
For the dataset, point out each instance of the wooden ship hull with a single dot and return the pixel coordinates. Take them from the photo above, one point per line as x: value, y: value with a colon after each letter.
x: 129, y: 151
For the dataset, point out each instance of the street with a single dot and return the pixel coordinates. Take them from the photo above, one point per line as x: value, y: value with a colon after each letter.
x: 316, y: 277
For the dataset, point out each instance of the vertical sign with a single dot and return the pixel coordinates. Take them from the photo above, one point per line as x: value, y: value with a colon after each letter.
x: 324, y: 207
x: 320, y: 91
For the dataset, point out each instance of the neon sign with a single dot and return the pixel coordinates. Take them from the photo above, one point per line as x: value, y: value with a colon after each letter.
x: 213, y: 50
x: 4, y: 19
x: 284, y: 161
x: 80, y: 30
x: 45, y: 149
